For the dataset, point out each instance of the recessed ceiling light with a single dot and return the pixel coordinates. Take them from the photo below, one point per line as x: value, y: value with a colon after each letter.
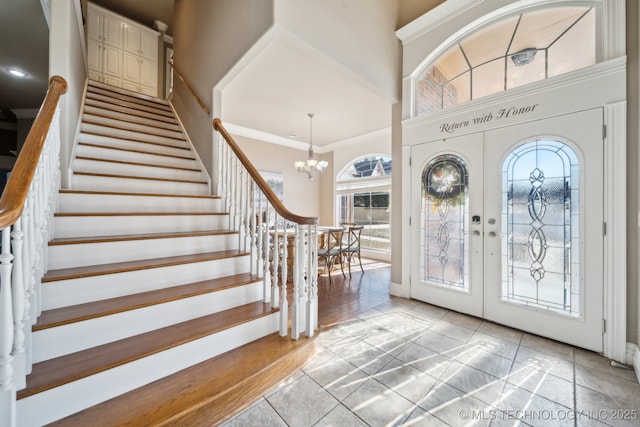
x: 17, y: 73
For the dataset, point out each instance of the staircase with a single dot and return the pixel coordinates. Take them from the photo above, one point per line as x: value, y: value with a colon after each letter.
x: 150, y: 315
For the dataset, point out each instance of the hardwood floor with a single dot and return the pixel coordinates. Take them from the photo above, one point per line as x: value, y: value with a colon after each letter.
x: 345, y: 298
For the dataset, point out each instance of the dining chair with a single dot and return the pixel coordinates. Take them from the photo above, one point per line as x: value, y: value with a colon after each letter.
x: 332, y: 250
x: 352, y: 247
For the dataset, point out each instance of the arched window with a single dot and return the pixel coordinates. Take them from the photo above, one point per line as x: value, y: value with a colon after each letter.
x: 514, y: 51
x: 364, y: 197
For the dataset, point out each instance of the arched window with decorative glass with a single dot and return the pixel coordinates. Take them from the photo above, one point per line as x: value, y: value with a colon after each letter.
x: 512, y: 52
x: 363, y: 190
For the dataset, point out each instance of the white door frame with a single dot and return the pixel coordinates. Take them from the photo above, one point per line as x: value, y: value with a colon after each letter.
x: 600, y: 85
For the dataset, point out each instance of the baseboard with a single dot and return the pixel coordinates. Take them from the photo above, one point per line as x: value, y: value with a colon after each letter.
x: 633, y: 356
x: 396, y: 289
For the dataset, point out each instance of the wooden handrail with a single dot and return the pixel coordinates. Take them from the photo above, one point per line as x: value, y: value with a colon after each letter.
x: 190, y: 89
x: 268, y: 192
x: 17, y: 188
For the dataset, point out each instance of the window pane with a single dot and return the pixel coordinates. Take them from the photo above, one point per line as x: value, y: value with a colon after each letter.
x: 576, y: 49
x: 429, y: 87
x: 457, y: 91
x: 489, y: 43
x: 488, y: 78
x: 443, y: 222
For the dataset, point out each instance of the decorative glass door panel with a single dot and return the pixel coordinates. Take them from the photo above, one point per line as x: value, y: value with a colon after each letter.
x: 446, y: 199
x: 540, y: 225
x: 444, y: 222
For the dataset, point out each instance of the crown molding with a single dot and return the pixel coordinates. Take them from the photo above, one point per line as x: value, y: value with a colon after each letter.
x: 298, y: 145
x: 447, y: 10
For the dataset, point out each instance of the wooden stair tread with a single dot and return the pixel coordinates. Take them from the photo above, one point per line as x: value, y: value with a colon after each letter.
x: 124, y: 162
x: 146, y: 178
x: 120, y: 267
x: 119, y: 91
x: 124, y: 105
x: 132, y: 150
x: 161, y: 125
x: 92, y: 310
x: 196, y: 397
x: 140, y: 141
x: 126, y: 129
x: 127, y: 237
x: 105, y: 105
x: 64, y: 369
x: 119, y: 193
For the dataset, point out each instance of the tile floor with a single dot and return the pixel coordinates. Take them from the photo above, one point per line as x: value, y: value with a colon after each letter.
x: 407, y: 363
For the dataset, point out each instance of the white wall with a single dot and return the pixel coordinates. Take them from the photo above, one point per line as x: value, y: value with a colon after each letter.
x: 301, y: 196
x: 358, y: 34
x: 209, y: 37
x: 66, y: 59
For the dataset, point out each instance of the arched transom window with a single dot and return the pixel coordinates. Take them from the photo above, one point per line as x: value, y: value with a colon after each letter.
x: 512, y: 52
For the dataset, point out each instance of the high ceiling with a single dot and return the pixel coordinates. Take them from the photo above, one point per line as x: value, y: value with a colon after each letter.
x: 272, y: 95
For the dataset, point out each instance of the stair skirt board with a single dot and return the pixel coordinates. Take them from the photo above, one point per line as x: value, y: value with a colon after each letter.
x: 124, y: 117
x: 127, y: 144
x: 131, y: 126
x: 108, y: 153
x: 140, y: 170
x: 85, y: 254
x: 65, y: 400
x: 62, y: 293
x: 66, y: 339
x: 103, y: 202
x: 132, y: 135
x: 141, y: 185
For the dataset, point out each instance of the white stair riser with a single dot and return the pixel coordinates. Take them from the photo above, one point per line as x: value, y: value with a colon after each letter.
x: 135, y: 98
x: 95, y: 103
x: 96, y: 166
x: 78, y: 202
x: 54, y: 404
x: 126, y: 134
x: 62, y: 293
x: 81, y: 255
x: 88, y: 226
x: 92, y: 111
x: 132, y: 156
x: 101, y: 183
x: 67, y: 339
x: 133, y: 127
x: 134, y: 145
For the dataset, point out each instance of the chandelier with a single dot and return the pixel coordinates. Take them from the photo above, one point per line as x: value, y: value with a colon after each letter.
x: 311, y: 165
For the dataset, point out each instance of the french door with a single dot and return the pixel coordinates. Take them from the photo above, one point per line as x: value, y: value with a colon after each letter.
x: 507, y: 225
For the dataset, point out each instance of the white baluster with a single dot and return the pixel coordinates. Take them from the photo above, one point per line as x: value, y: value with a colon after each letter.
x: 25, y: 268
x: 298, y: 267
x: 7, y: 386
x: 19, y: 296
x: 284, y: 303
x: 275, y: 291
x: 259, y: 237
x: 265, y: 256
x: 30, y: 241
x: 253, y: 223
x: 312, y: 281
